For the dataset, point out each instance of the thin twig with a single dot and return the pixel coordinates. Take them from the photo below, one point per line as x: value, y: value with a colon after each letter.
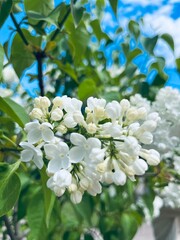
x: 19, y: 30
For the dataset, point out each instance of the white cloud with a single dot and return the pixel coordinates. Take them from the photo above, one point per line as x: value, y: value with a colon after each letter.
x: 143, y: 2
x: 159, y: 24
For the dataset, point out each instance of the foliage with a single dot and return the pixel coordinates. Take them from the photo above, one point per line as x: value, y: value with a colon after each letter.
x: 69, y: 42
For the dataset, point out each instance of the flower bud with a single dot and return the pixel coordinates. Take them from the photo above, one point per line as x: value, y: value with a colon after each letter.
x: 84, y: 183
x: 62, y: 129
x: 72, y: 188
x: 142, y: 113
x: 132, y: 114
x: 125, y: 104
x: 91, y: 128
x: 76, y: 197
x: 36, y: 113
x: 44, y: 102
x: 57, y: 102
x: 56, y: 114
x: 146, y: 138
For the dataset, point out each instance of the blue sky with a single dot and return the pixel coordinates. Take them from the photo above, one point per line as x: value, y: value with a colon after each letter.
x: 160, y: 16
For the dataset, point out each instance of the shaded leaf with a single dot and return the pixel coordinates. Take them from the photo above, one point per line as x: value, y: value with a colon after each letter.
x: 20, y: 53
x: 10, y: 187
x: 134, y: 28
x: 150, y: 43
x: 168, y: 39
x: 114, y: 4
x: 5, y: 8
x: 36, y: 218
x: 49, y: 196
x: 77, y: 13
x: 67, y: 68
x: 1, y: 59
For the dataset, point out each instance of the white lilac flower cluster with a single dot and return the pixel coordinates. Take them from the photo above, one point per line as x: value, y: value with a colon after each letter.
x: 167, y: 134
x: 166, y: 137
x: 84, y: 147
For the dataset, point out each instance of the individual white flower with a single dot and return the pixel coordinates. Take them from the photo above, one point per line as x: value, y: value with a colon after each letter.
x: 37, y: 113
x: 58, y: 102
x: 76, y: 197
x: 125, y: 104
x: 140, y: 166
x: 31, y: 153
x: 91, y: 128
x: 56, y: 114
x: 59, y: 182
x: 82, y: 147
x: 42, y: 102
x: 94, y: 187
x: 118, y: 176
x: 151, y: 156
x: 36, y: 132
x: 113, y: 110
x: 95, y: 109
x: 58, y: 155
x: 111, y: 129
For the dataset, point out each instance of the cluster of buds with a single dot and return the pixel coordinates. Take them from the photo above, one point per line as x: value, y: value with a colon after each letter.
x: 86, y: 147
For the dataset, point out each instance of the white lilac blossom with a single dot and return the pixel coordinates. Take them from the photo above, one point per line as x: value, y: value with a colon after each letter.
x: 84, y: 150
x: 166, y: 137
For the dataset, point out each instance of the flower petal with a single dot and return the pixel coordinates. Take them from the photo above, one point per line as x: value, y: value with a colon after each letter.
x: 38, y: 161
x: 54, y: 165
x: 51, y: 150
x: 31, y: 125
x: 47, y: 134
x: 94, y: 143
x: 34, y: 136
x: 27, y: 155
x: 63, y: 148
x: 76, y: 154
x: 77, y: 139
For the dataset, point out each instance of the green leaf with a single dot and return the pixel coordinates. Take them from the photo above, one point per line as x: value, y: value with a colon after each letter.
x: 134, y: 29
x: 178, y: 64
x: 131, y: 55
x: 77, y: 13
x: 20, y: 53
x: 49, y: 196
x: 86, y: 89
x: 36, y: 218
x: 85, y: 208
x: 114, y: 4
x: 1, y: 59
x: 14, y: 111
x: 5, y: 8
x: 10, y: 186
x: 78, y: 39
x: 150, y: 43
x: 43, y: 7
x: 129, y: 225
x: 95, y: 24
x: 159, y: 66
x: 67, y: 68
x: 168, y: 39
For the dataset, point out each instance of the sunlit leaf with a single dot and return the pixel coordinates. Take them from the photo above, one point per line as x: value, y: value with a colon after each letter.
x: 14, y: 111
